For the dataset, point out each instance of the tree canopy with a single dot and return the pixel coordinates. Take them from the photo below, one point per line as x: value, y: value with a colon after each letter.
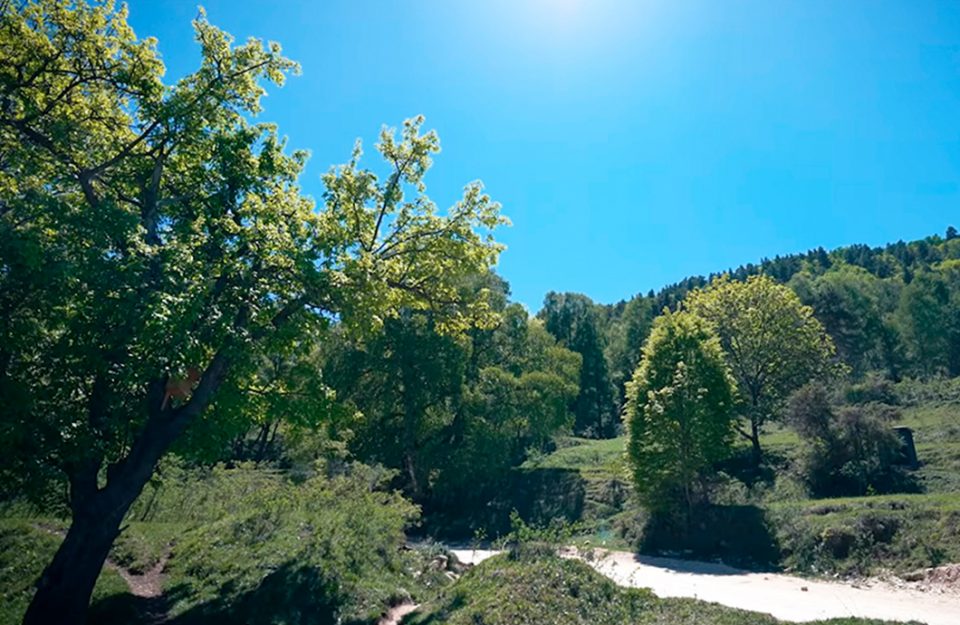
x: 773, y: 343
x: 679, y: 411
x: 156, y: 246
x: 572, y: 319
x: 453, y: 413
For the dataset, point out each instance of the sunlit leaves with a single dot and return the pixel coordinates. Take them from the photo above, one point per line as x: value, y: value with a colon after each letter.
x: 773, y: 342
x: 150, y: 228
x: 679, y: 410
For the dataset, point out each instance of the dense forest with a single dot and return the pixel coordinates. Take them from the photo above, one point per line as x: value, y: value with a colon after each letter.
x: 890, y: 310
x: 255, y: 400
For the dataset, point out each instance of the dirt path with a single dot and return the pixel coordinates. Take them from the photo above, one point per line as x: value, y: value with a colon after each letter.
x: 783, y: 596
x: 146, y: 586
x: 395, y: 614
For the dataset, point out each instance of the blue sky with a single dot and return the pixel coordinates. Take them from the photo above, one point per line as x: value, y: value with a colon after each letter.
x: 631, y: 143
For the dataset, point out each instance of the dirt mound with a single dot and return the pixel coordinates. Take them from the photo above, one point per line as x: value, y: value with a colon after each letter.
x: 939, y: 579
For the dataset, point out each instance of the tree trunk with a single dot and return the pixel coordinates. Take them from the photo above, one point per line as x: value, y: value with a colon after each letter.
x: 64, y: 589
x: 757, y: 453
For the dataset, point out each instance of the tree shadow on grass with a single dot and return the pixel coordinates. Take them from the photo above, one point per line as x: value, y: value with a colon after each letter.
x: 740, y: 466
x: 124, y: 608
x: 292, y: 594
x: 538, y: 495
x: 738, y: 535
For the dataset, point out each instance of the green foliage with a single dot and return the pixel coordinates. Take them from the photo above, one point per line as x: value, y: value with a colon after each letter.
x: 453, y: 414
x: 160, y: 266
x: 850, y: 449
x: 316, y: 552
x: 929, y: 318
x: 174, y: 238
x: 245, y: 545
x: 865, y: 298
x: 535, y: 589
x: 679, y: 411
x: 572, y: 319
x: 851, y: 302
x: 625, y: 334
x: 773, y: 343
x: 864, y: 535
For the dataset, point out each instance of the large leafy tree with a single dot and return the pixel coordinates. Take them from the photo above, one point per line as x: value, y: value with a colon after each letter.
x: 404, y: 382
x: 773, y: 343
x: 156, y: 248
x: 452, y: 413
x: 679, y: 412
x: 843, y: 300
x: 850, y: 302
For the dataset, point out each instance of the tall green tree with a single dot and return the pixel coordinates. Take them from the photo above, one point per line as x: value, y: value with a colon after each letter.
x: 572, y: 319
x: 625, y: 337
x: 849, y: 301
x: 773, y: 344
x: 156, y: 247
x: 928, y: 316
x: 679, y: 412
x: 453, y: 413
x: 405, y: 382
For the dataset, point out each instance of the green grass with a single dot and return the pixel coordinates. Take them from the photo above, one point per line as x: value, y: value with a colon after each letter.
x: 533, y: 587
x: 602, y: 466
x: 896, y: 531
x: 321, y: 551
x: 24, y: 551
x: 593, y: 458
x: 859, y: 535
x: 818, y: 536
x: 141, y: 546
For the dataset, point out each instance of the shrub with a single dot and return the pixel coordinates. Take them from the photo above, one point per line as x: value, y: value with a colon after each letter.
x: 849, y: 450
x: 838, y: 541
x: 873, y: 388
x: 321, y: 551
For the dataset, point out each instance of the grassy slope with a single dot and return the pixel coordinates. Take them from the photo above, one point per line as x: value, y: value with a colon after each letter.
x: 292, y: 553
x: 541, y: 589
x: 24, y: 551
x: 602, y: 465
x: 898, y: 531
x: 846, y: 535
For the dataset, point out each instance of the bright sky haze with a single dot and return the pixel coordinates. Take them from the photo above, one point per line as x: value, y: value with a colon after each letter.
x: 631, y: 143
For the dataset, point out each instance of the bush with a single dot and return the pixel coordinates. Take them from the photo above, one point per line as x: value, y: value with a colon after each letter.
x: 533, y: 587
x: 873, y: 388
x: 322, y: 551
x: 849, y: 450
x: 838, y: 541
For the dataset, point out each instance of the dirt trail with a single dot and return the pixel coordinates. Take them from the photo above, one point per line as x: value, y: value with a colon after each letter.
x: 783, y: 596
x: 395, y: 614
x: 146, y: 586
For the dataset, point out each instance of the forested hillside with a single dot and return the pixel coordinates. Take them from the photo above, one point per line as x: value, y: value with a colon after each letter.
x: 893, y: 310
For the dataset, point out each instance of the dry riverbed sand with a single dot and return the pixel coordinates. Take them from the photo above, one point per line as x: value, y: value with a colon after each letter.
x: 784, y: 596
